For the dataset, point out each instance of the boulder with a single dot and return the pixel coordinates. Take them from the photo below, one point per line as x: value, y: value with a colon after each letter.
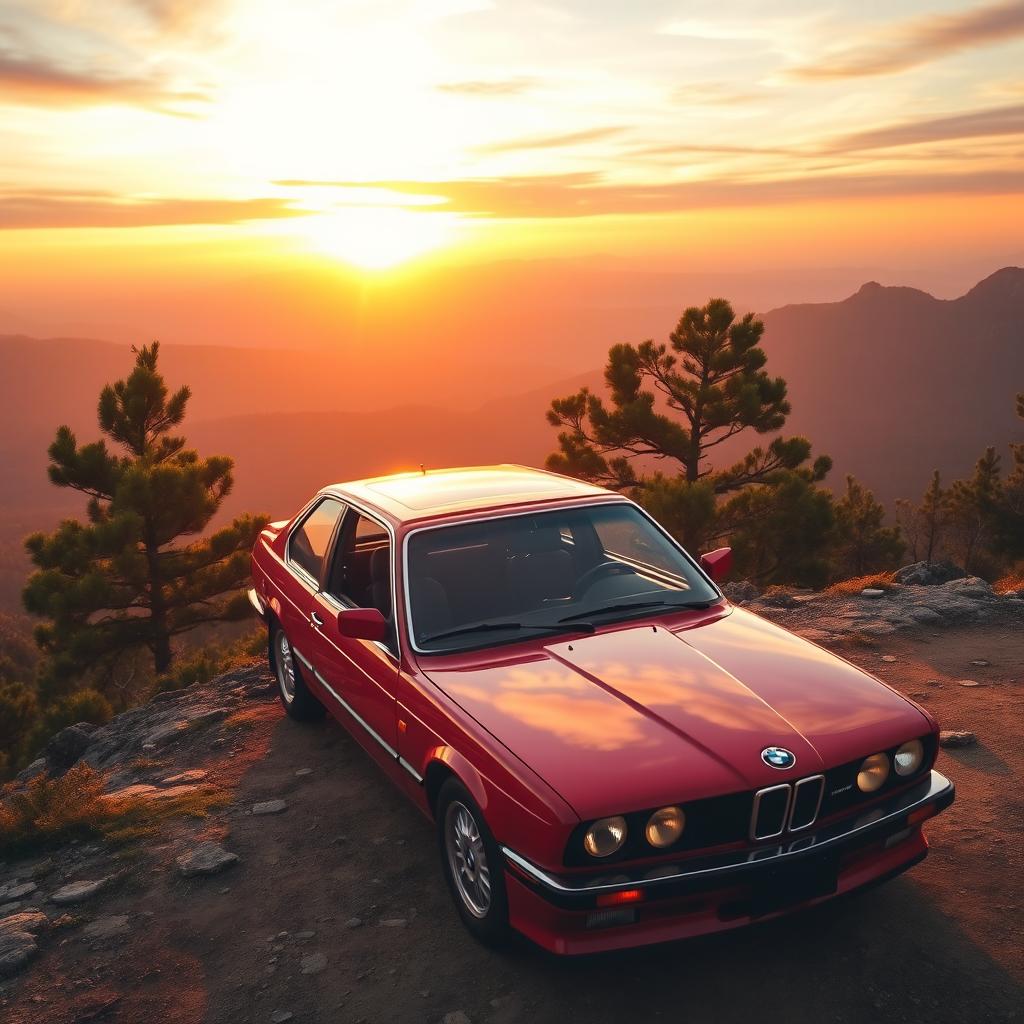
x: 928, y: 574
x: 957, y: 738
x: 740, y: 591
x: 205, y: 859
x: 77, y: 892
x: 67, y: 747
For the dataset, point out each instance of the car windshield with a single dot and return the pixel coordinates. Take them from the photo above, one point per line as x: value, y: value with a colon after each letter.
x: 566, y: 571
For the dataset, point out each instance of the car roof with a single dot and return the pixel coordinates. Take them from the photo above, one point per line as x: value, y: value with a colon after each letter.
x: 426, y: 494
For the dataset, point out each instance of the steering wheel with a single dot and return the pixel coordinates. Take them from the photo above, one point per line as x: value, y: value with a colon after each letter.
x: 599, y: 572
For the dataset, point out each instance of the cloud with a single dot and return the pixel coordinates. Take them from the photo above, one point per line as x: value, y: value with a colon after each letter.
x: 35, y: 82
x: 489, y: 87
x: 1007, y: 120
x: 587, y: 194
x: 920, y: 40
x: 66, y: 209
x: 551, y: 141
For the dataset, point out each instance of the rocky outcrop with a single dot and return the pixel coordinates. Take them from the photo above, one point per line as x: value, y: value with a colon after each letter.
x: 827, y: 618
x: 928, y: 574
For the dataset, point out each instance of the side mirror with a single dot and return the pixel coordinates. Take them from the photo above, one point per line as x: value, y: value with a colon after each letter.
x: 362, y: 624
x: 717, y: 564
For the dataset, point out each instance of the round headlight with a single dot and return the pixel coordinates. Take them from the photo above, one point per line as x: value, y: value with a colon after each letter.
x: 664, y: 827
x: 604, y: 837
x: 909, y: 757
x: 873, y: 773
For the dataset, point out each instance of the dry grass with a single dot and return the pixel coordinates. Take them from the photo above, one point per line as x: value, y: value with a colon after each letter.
x: 1013, y: 580
x: 52, y: 811
x: 878, y: 580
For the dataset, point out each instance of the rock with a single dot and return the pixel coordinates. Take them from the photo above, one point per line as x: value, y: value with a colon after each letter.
x: 980, y: 663
x: 165, y: 735
x: 110, y: 927
x: 205, y: 859
x: 9, y: 908
x: 17, y: 941
x: 301, y: 773
x: 18, y: 891
x: 78, y: 892
x: 456, y: 1017
x: 932, y: 682
x: 888, y: 658
x: 928, y: 574
x: 280, y: 1016
x: 968, y: 682
x: 779, y: 597
x: 741, y: 591
x: 303, y: 936
x: 27, y: 921
x: 394, y: 922
x: 269, y: 807
x: 33, y: 771
x: 67, y: 746
x: 353, y: 922
x: 206, y: 716
x: 144, y: 791
x: 873, y: 592
x: 313, y: 964
x: 957, y: 738
x: 184, y: 778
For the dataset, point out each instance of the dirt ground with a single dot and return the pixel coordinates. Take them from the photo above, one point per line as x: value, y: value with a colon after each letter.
x: 943, y: 943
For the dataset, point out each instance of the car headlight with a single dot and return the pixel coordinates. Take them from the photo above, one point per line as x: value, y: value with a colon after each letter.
x: 873, y: 773
x: 909, y: 757
x: 664, y: 827
x: 605, y: 837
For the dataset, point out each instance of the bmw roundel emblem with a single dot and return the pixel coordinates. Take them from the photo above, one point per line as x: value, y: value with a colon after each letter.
x: 778, y: 757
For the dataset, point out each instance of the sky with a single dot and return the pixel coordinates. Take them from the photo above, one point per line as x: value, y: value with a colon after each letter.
x: 147, y: 141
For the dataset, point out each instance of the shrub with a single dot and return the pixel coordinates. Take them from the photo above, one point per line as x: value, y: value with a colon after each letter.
x: 877, y: 580
x: 52, y: 811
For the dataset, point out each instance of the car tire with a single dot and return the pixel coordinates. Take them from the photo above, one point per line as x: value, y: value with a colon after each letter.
x: 472, y: 864
x: 296, y: 698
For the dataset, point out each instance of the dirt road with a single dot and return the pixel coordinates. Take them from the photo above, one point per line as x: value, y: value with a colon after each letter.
x: 349, y: 871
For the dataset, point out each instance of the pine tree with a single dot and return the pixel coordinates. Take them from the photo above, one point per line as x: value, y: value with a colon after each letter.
x: 863, y: 545
x: 122, y: 581
x: 1010, y: 519
x: 674, y: 404
x: 974, y: 509
x: 924, y: 524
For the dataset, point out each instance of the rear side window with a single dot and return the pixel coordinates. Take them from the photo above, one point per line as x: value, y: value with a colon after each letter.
x: 308, y: 544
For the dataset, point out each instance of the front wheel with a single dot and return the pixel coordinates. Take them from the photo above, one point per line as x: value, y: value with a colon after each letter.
x: 472, y: 864
x: 296, y: 698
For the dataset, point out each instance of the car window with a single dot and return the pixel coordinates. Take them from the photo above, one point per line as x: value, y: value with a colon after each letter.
x: 361, y: 570
x: 534, y: 571
x: 308, y: 544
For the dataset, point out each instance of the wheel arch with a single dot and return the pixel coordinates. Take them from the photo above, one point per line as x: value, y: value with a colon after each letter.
x: 445, y: 763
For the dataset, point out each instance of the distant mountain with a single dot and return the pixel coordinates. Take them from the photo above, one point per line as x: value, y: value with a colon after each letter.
x: 890, y: 382
x: 893, y: 383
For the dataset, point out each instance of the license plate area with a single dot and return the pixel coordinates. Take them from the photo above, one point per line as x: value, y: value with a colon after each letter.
x: 780, y: 886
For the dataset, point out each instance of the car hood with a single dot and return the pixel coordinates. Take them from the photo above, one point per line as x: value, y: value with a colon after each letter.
x: 644, y: 715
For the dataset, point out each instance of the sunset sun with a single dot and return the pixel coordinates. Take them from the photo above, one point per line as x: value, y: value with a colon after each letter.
x: 375, y: 237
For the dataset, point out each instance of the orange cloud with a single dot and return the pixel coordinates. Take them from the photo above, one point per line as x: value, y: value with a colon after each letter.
x: 921, y: 40
x: 37, y: 82
x: 552, y: 141
x: 102, y: 210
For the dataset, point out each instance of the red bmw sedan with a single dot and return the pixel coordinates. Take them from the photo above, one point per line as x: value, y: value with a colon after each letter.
x: 612, y: 754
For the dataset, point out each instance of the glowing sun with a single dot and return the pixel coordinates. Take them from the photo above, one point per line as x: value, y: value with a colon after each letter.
x: 377, y: 237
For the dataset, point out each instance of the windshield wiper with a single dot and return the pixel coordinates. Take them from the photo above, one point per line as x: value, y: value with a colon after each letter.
x: 487, y: 627
x: 628, y: 606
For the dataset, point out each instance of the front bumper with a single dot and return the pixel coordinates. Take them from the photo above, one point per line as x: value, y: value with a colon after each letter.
x: 584, y: 913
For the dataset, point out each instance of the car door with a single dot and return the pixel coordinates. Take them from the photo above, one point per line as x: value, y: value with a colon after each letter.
x: 306, y: 559
x: 360, y: 675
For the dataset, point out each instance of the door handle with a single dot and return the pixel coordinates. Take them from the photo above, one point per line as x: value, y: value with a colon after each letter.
x: 315, y: 620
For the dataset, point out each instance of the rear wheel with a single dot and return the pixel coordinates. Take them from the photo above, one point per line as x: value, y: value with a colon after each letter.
x: 472, y: 864
x: 296, y: 697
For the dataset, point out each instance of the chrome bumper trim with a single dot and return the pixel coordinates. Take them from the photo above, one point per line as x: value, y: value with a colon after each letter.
x: 933, y: 789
